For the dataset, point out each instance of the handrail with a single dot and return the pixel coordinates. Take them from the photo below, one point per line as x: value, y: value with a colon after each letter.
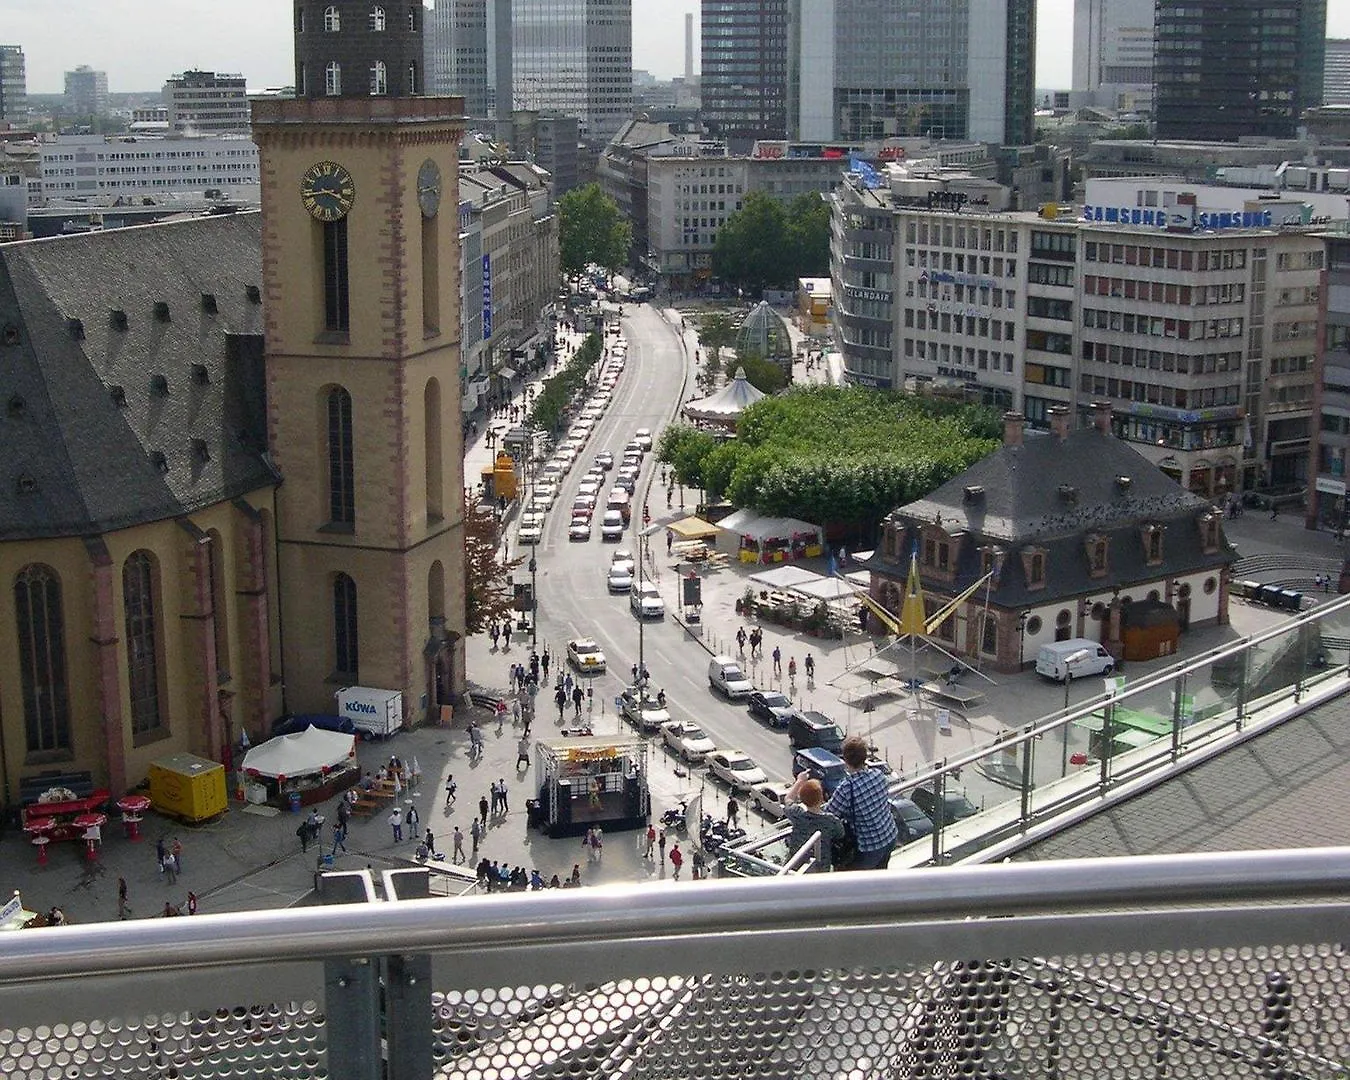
x: 807, y: 852
x: 609, y: 913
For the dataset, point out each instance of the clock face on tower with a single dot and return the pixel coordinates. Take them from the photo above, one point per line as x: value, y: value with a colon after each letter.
x: 328, y: 191
x: 429, y: 188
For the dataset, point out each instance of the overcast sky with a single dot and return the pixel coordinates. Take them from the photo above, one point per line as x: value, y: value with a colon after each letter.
x: 139, y: 43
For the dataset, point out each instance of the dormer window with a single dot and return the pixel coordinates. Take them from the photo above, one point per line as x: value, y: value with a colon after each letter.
x: 891, y: 542
x: 991, y: 561
x: 1033, y: 565
x: 1095, y: 546
x: 937, y: 553
x: 1153, y: 544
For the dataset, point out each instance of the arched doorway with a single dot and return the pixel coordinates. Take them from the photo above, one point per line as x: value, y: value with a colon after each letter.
x: 440, y: 649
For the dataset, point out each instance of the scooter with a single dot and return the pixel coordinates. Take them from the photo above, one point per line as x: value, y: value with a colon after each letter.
x: 674, y: 818
x: 715, y: 835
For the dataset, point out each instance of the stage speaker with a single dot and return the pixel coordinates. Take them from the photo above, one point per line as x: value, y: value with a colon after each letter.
x: 632, y: 797
x: 564, y: 815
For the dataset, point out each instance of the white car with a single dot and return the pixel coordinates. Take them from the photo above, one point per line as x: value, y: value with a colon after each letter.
x: 579, y: 530
x: 605, y: 460
x: 531, y: 533
x: 770, y: 799
x: 643, y: 437
x: 688, y: 740
x: 620, y: 578
x: 737, y: 769
x: 586, y: 656
x: 540, y: 504
x: 547, y: 489
x: 644, y: 713
x: 588, y: 487
x: 565, y: 455
x: 646, y: 601
x: 611, y: 525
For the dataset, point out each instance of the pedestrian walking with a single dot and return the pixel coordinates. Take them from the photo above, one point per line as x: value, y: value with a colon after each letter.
x: 733, y: 811
x: 493, y: 798
x: 495, y: 633
x: 777, y: 661
x: 651, y: 842
x: 396, y: 823
x: 411, y: 818
x: 661, y: 844
x: 523, y: 750
x: 475, y: 834
x: 544, y: 661
x: 430, y: 842
x: 577, y: 696
x: 191, y: 902
x: 501, y: 795
x: 560, y: 699
x: 170, y: 868
x: 451, y: 790
x: 676, y: 860
x: 792, y: 669
x: 457, y: 854
x: 123, y: 908
x: 670, y: 541
x: 700, y: 866
x: 176, y: 852
x: 740, y: 640
x: 339, y: 838
x: 810, y: 666
x: 344, y: 812
x: 506, y: 635
x: 483, y: 807
x: 567, y: 684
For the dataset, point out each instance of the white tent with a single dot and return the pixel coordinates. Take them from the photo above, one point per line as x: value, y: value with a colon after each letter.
x: 785, y: 577
x: 725, y: 406
x: 757, y: 527
x: 313, y: 750
x: 827, y: 588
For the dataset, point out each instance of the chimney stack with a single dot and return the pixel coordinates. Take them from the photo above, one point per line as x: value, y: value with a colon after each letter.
x: 1101, y: 416
x: 1012, y: 428
x: 1059, y: 421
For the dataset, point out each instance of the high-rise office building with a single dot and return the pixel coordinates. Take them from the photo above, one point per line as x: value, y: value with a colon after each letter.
x: 13, y: 86
x: 1113, y: 54
x: 1229, y: 68
x: 86, y: 91
x: 865, y: 69
x: 467, y: 53
x: 202, y: 101
x: 574, y: 59
x: 1336, y: 74
x: 744, y: 70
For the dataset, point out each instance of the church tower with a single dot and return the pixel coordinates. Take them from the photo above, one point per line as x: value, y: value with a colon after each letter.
x: 361, y: 278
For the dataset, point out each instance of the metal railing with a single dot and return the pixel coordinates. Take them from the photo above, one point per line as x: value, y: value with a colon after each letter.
x: 1207, y: 965
x: 1022, y: 782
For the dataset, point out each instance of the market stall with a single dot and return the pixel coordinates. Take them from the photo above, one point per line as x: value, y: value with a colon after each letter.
x: 763, y: 539
x: 53, y: 816
x: 591, y: 781
x: 306, y: 767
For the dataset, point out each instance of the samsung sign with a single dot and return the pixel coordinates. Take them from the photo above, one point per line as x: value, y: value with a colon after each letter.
x: 1187, y: 217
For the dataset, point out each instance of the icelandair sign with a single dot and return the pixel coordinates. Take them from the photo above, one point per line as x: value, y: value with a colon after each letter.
x: 1189, y: 218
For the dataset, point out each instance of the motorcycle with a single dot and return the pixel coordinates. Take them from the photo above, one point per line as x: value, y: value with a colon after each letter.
x: 674, y: 818
x: 715, y: 835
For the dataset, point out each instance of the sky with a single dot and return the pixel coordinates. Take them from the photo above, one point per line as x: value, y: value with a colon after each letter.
x: 140, y: 43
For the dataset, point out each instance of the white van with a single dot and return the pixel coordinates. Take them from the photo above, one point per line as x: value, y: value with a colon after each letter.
x: 1075, y: 658
x: 611, y: 526
x: 725, y: 674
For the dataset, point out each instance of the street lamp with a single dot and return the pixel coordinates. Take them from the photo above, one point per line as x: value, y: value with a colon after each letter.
x: 534, y: 603
x: 643, y: 537
x: 1069, y: 661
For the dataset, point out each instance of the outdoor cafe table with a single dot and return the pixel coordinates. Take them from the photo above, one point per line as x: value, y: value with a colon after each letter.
x: 132, y: 807
x: 38, y: 828
x: 92, y: 825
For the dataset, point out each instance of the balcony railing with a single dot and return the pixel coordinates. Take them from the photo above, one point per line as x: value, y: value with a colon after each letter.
x: 1218, y: 965
x: 1027, y: 785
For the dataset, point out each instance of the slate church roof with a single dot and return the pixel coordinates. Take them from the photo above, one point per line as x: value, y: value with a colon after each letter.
x: 1050, y: 493
x: 131, y: 375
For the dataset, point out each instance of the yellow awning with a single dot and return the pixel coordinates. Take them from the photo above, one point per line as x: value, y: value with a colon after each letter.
x: 693, y: 528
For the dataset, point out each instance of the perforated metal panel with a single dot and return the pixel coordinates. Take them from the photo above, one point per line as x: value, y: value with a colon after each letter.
x: 263, y: 1040
x: 1278, y: 1012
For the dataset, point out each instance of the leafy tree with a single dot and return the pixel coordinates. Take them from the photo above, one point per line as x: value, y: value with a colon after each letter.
x: 546, y: 414
x: 716, y: 330
x: 591, y: 230
x: 752, y: 248
x: 685, y: 448
x: 763, y: 375
x: 809, y: 235
x: 488, y: 593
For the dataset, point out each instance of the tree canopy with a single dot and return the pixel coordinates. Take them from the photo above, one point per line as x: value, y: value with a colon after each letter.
x: 766, y: 244
x: 591, y: 230
x: 488, y: 592
x: 763, y: 375
x: 836, y: 454
x: 556, y: 393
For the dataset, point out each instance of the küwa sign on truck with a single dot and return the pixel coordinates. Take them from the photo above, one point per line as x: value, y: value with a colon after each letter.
x: 378, y: 712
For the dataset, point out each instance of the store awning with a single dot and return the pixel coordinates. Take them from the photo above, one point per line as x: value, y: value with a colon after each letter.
x: 507, y: 373
x: 693, y: 528
x: 305, y: 753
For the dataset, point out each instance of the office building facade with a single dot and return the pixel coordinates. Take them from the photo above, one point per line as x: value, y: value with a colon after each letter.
x: 203, y: 102
x: 1336, y: 72
x: 86, y: 91
x: 13, y: 87
x: 89, y: 166
x: 872, y: 69
x: 574, y: 59
x: 1225, y: 69
x: 1113, y: 54
x: 744, y: 70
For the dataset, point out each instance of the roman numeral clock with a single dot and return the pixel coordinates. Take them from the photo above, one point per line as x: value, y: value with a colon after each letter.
x: 327, y: 191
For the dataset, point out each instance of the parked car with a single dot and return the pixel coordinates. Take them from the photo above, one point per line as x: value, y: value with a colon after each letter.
x: 955, y: 806
x: 643, y: 712
x: 725, y: 674
x: 643, y: 437
x: 1074, y: 658
x: 812, y: 728
x: 586, y: 656
x: 737, y: 769
x: 913, y: 823
x: 770, y: 799
x: 688, y: 740
x: 826, y: 767
x: 646, y: 601
x: 773, y: 708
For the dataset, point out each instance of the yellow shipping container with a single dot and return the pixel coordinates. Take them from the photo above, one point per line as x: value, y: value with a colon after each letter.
x: 188, y: 787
